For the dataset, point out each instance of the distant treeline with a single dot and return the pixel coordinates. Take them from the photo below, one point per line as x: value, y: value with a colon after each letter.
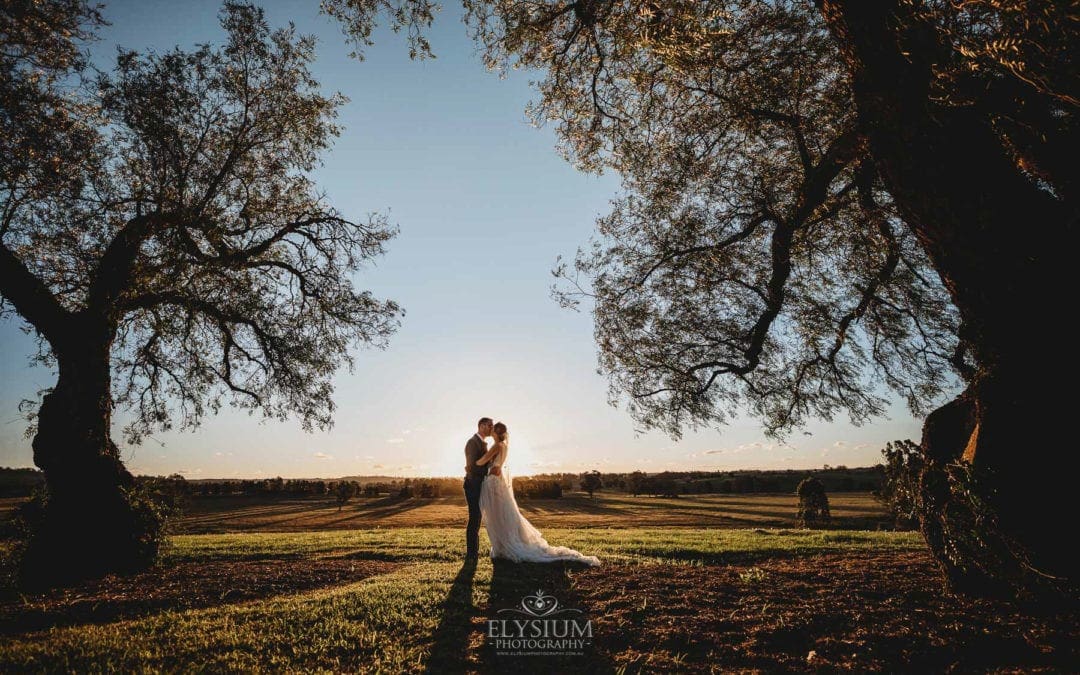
x: 21, y: 482
x: 671, y: 483
x: 423, y: 488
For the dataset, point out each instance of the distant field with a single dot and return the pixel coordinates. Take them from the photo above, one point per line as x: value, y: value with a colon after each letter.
x: 850, y: 510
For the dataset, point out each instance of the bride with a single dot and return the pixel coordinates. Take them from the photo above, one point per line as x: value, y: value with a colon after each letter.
x: 512, y: 536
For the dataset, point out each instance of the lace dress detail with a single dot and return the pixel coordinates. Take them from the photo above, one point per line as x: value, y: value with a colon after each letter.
x: 512, y: 536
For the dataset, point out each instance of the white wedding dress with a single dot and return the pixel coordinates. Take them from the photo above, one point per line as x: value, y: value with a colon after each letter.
x: 512, y: 536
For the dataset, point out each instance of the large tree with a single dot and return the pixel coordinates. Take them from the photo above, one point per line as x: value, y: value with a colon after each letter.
x: 825, y: 203
x: 162, y: 237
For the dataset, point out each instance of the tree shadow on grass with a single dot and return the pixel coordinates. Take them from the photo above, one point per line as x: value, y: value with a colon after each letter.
x: 177, y: 587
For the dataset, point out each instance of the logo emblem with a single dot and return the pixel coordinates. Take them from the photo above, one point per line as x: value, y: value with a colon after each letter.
x: 541, y: 629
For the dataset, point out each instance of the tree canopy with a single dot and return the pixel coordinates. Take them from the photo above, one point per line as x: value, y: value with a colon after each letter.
x: 172, y: 200
x: 753, y: 261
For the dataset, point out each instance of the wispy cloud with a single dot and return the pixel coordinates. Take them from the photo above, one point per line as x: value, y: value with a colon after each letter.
x: 322, y: 455
x: 395, y: 441
x: 745, y: 447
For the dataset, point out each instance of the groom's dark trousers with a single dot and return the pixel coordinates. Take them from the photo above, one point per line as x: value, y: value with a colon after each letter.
x: 472, y: 530
x: 474, y: 479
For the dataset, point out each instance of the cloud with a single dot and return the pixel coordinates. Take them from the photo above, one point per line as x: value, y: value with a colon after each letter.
x: 190, y: 471
x: 377, y: 466
x: 756, y: 445
x: 840, y: 444
x: 406, y: 432
x: 395, y: 440
x: 538, y: 463
x: 322, y: 455
x: 862, y: 446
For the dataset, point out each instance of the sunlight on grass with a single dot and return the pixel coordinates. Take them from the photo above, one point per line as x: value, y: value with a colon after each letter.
x: 385, y: 623
x: 622, y: 545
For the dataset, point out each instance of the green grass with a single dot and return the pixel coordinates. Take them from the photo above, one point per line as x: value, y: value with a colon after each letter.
x: 397, y: 622
x: 637, y: 545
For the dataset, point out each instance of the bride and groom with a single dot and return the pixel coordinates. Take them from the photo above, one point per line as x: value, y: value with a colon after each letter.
x: 489, y: 492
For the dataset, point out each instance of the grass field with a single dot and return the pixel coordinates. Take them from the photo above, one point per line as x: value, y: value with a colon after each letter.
x: 399, y: 599
x: 850, y: 510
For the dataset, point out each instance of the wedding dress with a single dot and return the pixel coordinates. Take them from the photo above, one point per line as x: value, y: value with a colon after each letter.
x: 512, y: 536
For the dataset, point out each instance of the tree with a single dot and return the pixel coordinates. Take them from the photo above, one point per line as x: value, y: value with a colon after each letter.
x: 900, y: 486
x: 822, y: 200
x: 590, y: 482
x: 813, y: 504
x: 636, y: 483
x: 161, y: 237
x: 344, y: 491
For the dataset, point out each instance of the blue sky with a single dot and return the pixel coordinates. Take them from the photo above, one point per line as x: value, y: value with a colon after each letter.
x: 485, y: 204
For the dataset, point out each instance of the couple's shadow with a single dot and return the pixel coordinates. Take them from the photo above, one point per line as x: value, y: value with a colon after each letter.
x: 462, y: 624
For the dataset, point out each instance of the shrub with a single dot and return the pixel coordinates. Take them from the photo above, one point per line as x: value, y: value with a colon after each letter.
x: 813, y: 503
x: 138, y: 524
x: 900, y: 487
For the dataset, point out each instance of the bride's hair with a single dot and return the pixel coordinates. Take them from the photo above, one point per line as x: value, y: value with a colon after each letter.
x: 501, y: 432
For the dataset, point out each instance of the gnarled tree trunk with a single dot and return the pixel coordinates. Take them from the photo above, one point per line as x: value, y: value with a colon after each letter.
x: 91, y: 523
x: 991, y: 488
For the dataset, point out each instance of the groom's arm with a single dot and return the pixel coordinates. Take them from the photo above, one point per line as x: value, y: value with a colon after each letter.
x: 489, y: 454
x: 470, y: 452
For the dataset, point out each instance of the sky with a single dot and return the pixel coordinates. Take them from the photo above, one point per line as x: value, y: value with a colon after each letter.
x: 485, y: 204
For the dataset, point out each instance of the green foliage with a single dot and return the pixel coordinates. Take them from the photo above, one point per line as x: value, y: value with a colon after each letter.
x: 45, y: 542
x: 813, y: 504
x: 344, y: 491
x: 900, y: 487
x: 531, y: 487
x: 753, y: 263
x: 171, y: 201
x: 590, y: 482
x: 753, y: 575
x: 980, y: 555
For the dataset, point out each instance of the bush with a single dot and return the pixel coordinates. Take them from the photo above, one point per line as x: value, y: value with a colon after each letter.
x: 59, y: 545
x: 900, y: 488
x: 590, y: 482
x: 813, y: 504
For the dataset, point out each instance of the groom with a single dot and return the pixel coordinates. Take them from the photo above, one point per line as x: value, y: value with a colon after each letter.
x: 475, y: 448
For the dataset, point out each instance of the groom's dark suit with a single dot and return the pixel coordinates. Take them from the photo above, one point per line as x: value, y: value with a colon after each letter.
x: 474, y: 478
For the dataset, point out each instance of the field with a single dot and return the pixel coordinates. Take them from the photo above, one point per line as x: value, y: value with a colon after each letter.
x: 852, y: 510
x: 388, y: 596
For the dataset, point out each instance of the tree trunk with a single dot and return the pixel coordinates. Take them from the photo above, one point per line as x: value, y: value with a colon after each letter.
x: 1001, y: 244
x: 91, y: 523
